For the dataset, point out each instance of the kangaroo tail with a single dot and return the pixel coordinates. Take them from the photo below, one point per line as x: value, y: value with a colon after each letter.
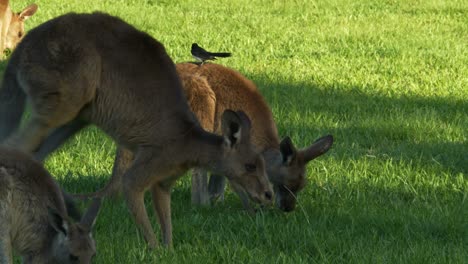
x: 12, y: 102
x: 221, y: 54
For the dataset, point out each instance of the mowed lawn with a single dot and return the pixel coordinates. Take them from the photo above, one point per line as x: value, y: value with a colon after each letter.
x: 388, y: 79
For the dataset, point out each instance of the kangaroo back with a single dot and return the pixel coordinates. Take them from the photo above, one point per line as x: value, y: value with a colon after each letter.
x: 108, y: 76
x: 229, y: 90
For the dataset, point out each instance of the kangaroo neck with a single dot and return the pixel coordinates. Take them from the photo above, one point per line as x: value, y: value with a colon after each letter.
x: 204, y: 149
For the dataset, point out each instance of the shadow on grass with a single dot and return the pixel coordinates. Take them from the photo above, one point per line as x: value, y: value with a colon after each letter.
x: 338, y: 223
x: 405, y: 127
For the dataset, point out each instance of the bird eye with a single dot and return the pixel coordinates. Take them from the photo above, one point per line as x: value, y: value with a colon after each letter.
x: 250, y: 167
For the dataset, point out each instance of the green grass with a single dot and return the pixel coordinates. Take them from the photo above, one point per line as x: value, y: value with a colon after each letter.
x: 388, y: 79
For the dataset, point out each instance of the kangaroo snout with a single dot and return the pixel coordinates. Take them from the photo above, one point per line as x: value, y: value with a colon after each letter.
x: 265, y: 198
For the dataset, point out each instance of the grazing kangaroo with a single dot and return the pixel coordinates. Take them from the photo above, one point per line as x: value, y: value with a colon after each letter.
x: 12, y: 25
x: 212, y: 88
x: 223, y: 88
x: 33, y: 217
x: 80, y: 69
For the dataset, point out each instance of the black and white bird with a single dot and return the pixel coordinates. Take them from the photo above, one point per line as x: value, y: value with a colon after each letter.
x: 202, y: 55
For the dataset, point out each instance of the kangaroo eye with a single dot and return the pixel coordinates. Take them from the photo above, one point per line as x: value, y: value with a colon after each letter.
x: 20, y: 34
x: 250, y: 167
x: 73, y: 257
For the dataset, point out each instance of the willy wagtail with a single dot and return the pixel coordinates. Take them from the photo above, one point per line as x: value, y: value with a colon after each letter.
x: 202, y: 55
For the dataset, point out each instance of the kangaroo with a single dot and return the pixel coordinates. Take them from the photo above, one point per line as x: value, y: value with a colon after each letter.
x: 225, y: 88
x: 80, y: 69
x: 33, y: 217
x: 212, y: 88
x: 12, y: 25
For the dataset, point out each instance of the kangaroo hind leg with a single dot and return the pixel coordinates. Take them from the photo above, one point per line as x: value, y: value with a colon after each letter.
x: 55, y: 101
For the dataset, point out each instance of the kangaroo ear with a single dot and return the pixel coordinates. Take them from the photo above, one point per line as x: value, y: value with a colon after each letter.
x: 288, y: 151
x: 318, y: 148
x: 236, y: 127
x: 28, y: 12
x: 89, y: 218
x: 57, y: 221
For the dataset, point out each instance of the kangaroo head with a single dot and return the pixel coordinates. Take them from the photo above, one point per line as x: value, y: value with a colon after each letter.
x: 15, y: 26
x: 242, y: 164
x: 287, y: 170
x: 74, y: 242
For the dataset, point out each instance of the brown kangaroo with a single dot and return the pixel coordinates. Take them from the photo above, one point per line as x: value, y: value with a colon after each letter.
x: 80, y: 69
x: 212, y: 88
x: 33, y: 217
x: 222, y: 88
x: 12, y: 25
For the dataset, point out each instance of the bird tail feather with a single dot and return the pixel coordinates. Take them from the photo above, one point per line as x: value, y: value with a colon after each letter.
x: 221, y: 54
